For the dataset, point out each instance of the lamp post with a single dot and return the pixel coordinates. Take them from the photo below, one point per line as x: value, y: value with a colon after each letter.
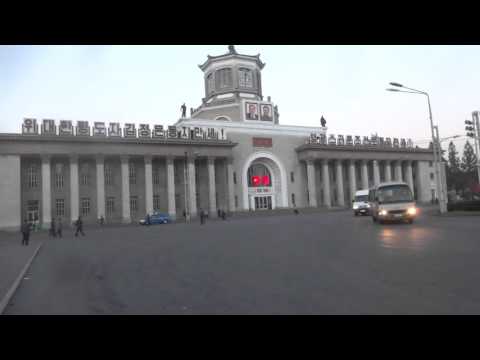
x: 435, y: 143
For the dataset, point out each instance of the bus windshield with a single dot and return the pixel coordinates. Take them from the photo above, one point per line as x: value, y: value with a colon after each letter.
x: 361, y: 198
x: 394, y: 194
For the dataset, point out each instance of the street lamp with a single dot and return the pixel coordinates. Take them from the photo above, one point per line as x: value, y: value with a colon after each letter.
x: 435, y: 142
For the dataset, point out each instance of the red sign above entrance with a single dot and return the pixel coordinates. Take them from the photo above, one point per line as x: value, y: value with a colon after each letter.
x: 262, y: 142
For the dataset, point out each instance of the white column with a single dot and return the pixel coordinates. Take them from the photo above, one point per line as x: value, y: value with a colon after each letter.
x: 398, y: 171
x: 352, y: 177
x: 326, y: 184
x: 312, y: 191
x: 125, y: 189
x: 364, y: 175
x: 100, y: 162
x: 376, y: 173
x: 339, y: 175
x: 212, y: 201
x: 46, y: 192
x: 409, y: 176
x: 192, y: 189
x: 231, y: 190
x: 74, y: 192
x: 172, y: 212
x: 148, y: 184
x: 388, y: 171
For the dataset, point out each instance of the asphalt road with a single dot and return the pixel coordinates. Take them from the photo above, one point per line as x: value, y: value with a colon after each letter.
x: 323, y: 263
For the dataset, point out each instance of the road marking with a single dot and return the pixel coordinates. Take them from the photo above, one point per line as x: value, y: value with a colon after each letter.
x: 6, y: 299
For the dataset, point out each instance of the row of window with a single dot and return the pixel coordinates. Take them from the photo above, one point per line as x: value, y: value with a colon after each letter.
x: 223, y: 79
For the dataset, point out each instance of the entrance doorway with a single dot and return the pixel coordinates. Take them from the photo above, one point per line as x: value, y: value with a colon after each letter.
x: 263, y: 202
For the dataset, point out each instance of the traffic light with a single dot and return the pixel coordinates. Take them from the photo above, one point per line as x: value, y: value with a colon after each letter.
x: 469, y: 129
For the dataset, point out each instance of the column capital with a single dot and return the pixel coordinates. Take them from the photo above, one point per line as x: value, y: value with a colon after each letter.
x: 211, y: 160
x: 169, y: 159
x: 124, y: 158
x: 325, y: 161
x: 45, y: 157
x: 73, y: 158
x: 100, y: 158
x: 339, y: 162
x: 375, y: 162
x: 147, y: 159
x: 229, y: 160
x: 310, y: 161
x: 364, y: 161
x: 352, y: 162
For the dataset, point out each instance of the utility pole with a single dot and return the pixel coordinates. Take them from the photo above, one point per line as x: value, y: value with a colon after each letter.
x: 442, y: 196
x: 476, y: 129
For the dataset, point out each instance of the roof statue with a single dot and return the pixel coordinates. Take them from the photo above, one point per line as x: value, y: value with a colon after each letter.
x: 231, y: 49
x: 323, y: 121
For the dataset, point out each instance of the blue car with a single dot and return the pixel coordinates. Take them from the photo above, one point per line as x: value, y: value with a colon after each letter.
x: 156, y: 218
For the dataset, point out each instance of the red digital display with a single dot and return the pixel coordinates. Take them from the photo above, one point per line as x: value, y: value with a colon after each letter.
x: 264, y: 180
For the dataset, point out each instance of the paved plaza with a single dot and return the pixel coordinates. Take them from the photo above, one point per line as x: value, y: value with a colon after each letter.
x: 316, y: 263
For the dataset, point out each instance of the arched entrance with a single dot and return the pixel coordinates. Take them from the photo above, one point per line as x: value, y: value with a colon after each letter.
x: 264, y: 182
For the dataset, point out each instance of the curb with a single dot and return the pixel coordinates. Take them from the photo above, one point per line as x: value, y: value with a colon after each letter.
x: 6, y: 299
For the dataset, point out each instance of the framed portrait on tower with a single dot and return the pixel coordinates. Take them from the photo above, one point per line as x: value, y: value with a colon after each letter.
x: 251, y: 110
x: 266, y: 112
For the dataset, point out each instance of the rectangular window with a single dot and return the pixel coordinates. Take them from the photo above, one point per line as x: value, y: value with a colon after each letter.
x: 236, y: 201
x: 60, y: 207
x: 133, y: 205
x: 32, y: 177
x: 85, y: 179
x: 85, y: 206
x: 292, y: 179
x: 59, y: 181
x: 108, y: 175
x: 110, y: 205
x: 430, y: 163
x: 431, y: 176
x: 132, y: 174
x: 293, y: 199
x: 156, y: 178
x: 234, y: 177
x: 156, y: 202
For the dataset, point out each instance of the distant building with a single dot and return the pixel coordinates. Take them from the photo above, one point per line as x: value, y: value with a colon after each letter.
x: 231, y: 154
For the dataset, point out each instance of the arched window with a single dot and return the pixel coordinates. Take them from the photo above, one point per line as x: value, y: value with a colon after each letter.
x: 245, y: 78
x: 258, y: 175
x: 222, y: 118
x: 210, y: 83
x: 223, y: 78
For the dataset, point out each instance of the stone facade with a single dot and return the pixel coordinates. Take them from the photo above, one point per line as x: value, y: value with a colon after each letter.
x: 49, y: 175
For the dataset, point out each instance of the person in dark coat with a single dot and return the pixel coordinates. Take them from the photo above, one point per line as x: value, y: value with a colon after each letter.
x: 26, y: 227
x: 102, y: 220
x: 224, y: 214
x: 53, y: 231
x: 219, y: 213
x: 148, y: 219
x: 79, y: 226
x: 202, y: 217
x: 59, y: 227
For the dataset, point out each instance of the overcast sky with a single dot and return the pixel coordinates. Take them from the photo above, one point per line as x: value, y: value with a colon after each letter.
x: 147, y: 84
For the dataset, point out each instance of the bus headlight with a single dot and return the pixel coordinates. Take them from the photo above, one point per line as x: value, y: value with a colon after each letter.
x: 382, y: 213
x: 355, y: 207
x: 412, y: 211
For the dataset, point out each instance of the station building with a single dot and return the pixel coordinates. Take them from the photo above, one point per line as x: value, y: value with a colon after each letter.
x: 230, y: 153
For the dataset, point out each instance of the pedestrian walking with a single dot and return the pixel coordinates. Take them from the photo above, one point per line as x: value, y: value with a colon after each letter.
x: 26, y: 227
x: 102, y: 220
x: 79, y: 226
x: 219, y: 213
x: 202, y: 217
x: 148, y: 222
x: 52, y: 231
x: 59, y: 227
x: 224, y: 215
